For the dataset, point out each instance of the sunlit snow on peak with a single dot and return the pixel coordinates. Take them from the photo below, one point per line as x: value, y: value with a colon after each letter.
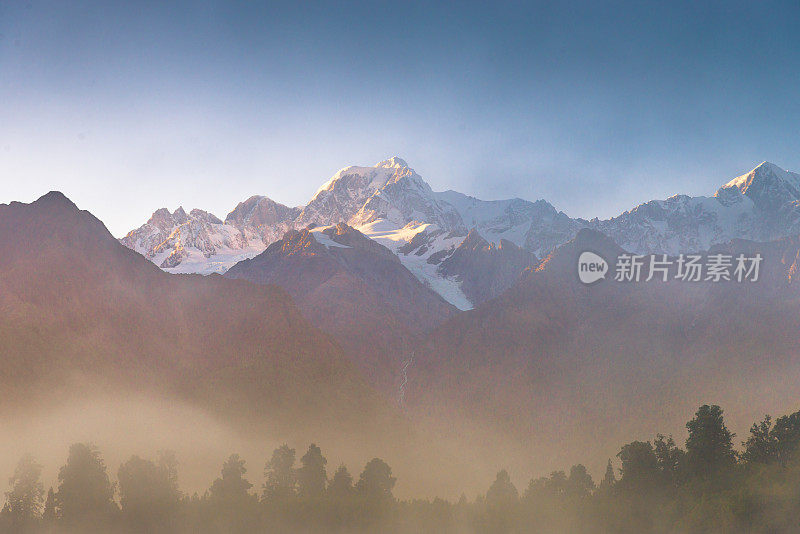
x: 393, y: 163
x: 394, y: 237
x: 324, y: 239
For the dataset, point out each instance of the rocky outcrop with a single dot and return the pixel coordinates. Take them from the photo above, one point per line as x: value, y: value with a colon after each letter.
x: 486, y: 269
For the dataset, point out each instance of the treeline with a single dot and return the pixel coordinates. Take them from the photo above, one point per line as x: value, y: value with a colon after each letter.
x: 706, y: 486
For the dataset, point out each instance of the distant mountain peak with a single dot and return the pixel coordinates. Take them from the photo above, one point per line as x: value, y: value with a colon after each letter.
x: 394, y: 162
x: 55, y: 198
x: 389, y: 191
x: 768, y: 165
x: 361, y: 180
x: 764, y: 170
x: 767, y: 185
x: 58, y: 220
x: 354, y: 175
x: 474, y: 240
x: 258, y: 211
x: 163, y: 218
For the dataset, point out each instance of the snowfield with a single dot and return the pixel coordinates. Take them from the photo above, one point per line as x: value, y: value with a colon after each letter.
x: 393, y: 238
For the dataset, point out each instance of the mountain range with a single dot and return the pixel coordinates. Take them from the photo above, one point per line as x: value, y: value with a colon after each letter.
x: 315, y: 330
x: 392, y: 205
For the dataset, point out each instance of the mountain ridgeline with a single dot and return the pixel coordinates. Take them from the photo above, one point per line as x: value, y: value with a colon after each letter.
x: 393, y: 205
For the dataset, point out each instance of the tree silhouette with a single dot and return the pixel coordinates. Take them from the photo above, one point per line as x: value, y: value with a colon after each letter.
x: 24, y: 500
x: 786, y: 433
x: 281, y: 476
x: 670, y: 459
x: 341, y: 487
x: 502, y: 491
x: 609, y: 480
x: 340, y: 498
x: 374, y: 489
x: 49, y: 513
x: 639, y: 471
x: 85, y: 494
x: 501, y: 500
x: 232, y: 487
x: 311, y: 476
x: 762, y: 446
x: 709, y: 447
x: 149, y: 493
x: 376, y: 481
x: 232, y: 508
x: 579, y: 483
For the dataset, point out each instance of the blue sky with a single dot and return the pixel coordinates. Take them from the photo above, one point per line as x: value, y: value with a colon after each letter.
x: 131, y: 106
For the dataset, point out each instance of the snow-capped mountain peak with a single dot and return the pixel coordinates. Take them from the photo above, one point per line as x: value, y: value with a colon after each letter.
x: 537, y: 226
x: 762, y: 205
x: 390, y: 190
x: 194, y: 242
x: 365, y: 179
x: 261, y: 219
x: 767, y: 185
x: 163, y: 218
x: 393, y: 163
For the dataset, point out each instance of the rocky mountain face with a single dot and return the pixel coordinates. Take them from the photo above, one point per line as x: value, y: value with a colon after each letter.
x: 197, y: 242
x: 545, y: 362
x: 261, y: 219
x: 353, y: 288
x: 485, y: 269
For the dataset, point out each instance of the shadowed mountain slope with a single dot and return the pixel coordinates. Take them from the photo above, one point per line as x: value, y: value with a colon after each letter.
x: 82, y: 314
x: 486, y: 269
x: 353, y: 288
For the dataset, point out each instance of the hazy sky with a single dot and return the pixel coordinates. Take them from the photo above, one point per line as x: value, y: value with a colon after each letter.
x: 131, y: 106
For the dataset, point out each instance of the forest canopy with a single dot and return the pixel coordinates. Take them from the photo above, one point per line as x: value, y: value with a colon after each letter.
x: 708, y: 485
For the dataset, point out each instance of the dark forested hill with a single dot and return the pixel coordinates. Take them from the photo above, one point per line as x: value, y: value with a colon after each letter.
x: 82, y: 314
